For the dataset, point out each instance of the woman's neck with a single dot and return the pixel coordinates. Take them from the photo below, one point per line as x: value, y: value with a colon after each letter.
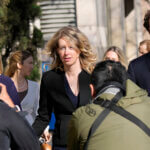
x: 20, y: 82
x: 17, y: 77
x: 73, y: 70
x: 72, y: 74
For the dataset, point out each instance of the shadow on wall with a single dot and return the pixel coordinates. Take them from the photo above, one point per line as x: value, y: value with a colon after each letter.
x: 129, y: 5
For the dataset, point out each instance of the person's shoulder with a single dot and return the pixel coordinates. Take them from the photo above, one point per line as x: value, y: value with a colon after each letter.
x: 84, y: 76
x: 52, y: 75
x: 140, y: 59
x: 5, y: 78
x: 52, y: 72
x: 33, y: 83
x: 86, y: 111
x: 7, y: 81
x: 83, y: 72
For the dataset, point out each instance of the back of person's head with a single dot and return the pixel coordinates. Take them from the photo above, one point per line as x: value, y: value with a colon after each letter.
x: 147, y: 20
x: 15, y: 58
x: 106, y: 72
x: 121, y: 56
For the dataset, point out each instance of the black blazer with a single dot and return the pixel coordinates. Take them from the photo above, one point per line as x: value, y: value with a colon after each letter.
x: 139, y: 71
x: 53, y: 96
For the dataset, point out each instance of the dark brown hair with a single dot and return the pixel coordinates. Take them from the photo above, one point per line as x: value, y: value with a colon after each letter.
x: 13, y: 59
x: 146, y: 20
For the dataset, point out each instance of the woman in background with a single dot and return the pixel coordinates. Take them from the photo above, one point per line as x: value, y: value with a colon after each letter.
x: 66, y: 86
x: 144, y: 47
x: 116, y: 54
x: 20, y: 65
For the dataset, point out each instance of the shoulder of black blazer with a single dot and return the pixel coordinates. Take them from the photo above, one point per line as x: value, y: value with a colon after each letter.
x: 142, y: 61
x: 55, y: 79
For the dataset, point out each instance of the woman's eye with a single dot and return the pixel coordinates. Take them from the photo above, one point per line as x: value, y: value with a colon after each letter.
x: 62, y: 48
x: 71, y: 47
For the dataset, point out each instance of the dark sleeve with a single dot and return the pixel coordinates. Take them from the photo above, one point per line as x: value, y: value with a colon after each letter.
x: 45, y: 108
x: 22, y: 135
x: 131, y: 73
x: 4, y: 141
x: 15, y: 132
x: 15, y: 95
x: 11, y: 89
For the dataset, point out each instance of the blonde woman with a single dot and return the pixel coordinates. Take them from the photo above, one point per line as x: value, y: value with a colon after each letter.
x: 66, y: 86
x: 116, y: 54
x: 20, y: 65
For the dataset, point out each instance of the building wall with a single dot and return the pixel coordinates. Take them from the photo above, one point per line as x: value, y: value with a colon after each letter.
x: 105, y: 22
x: 113, y: 22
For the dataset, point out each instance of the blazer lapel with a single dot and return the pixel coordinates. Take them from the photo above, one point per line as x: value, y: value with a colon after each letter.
x: 68, y: 99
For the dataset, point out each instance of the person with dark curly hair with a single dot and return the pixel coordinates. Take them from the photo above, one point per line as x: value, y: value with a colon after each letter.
x: 147, y: 21
x: 100, y: 125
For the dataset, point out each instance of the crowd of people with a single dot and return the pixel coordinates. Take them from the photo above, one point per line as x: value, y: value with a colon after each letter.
x: 102, y: 105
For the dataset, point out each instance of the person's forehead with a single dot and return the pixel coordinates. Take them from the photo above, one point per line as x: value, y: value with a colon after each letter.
x: 111, y: 53
x: 66, y: 40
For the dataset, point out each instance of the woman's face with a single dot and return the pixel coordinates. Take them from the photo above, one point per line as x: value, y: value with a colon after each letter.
x: 27, y: 66
x: 111, y: 55
x: 67, y: 52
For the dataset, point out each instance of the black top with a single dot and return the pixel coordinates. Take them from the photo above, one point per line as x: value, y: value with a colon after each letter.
x: 70, y: 94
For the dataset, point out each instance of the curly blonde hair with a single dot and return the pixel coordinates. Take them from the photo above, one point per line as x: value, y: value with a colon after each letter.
x: 75, y: 36
x: 122, y: 57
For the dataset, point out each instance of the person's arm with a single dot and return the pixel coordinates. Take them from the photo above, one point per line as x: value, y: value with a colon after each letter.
x: 4, y: 140
x: 36, y: 102
x: 45, y: 108
x: 73, y: 141
x: 5, y: 97
x: 14, y: 94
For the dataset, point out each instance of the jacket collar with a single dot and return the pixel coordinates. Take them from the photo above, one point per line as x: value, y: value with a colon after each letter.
x: 134, y: 94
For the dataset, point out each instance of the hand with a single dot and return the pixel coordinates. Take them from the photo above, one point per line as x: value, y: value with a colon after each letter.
x: 47, y: 136
x: 4, y: 96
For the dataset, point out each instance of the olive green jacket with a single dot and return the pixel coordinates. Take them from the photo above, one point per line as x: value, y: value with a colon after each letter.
x: 115, y: 132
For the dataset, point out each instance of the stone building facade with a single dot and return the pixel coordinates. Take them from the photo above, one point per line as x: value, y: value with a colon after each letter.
x: 105, y: 22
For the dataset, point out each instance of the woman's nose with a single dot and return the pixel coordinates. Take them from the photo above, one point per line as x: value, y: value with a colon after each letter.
x: 67, y: 50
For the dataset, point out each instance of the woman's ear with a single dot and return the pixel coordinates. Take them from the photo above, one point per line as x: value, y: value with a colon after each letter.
x: 19, y: 65
x: 92, y: 90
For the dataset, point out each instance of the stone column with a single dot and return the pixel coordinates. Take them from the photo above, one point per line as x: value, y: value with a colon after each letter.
x: 91, y: 19
x: 116, y: 23
x: 138, y: 23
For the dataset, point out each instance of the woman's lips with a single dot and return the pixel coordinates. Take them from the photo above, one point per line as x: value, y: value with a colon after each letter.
x: 67, y: 59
